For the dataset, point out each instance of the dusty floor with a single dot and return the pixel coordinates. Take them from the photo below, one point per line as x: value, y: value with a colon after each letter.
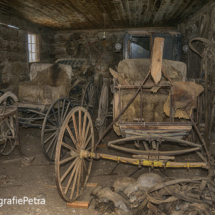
x: 38, y: 179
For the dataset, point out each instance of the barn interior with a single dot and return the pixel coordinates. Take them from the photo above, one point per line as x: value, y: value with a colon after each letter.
x: 132, y: 73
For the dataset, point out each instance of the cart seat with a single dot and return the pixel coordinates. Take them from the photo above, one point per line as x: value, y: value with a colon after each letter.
x: 49, y: 85
x: 137, y: 69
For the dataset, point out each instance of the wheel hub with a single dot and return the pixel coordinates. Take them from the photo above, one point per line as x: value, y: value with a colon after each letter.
x: 84, y: 154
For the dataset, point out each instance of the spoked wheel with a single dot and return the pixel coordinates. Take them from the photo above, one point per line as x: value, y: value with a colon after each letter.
x: 9, y: 100
x: 8, y: 125
x: 52, y: 123
x: 8, y: 135
x: 77, y: 138
x: 103, y: 109
x: 88, y: 98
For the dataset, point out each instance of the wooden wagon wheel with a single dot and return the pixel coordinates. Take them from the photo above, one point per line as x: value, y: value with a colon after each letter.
x: 76, y: 137
x: 9, y: 100
x: 88, y: 98
x: 52, y: 123
x: 7, y: 135
x: 103, y: 109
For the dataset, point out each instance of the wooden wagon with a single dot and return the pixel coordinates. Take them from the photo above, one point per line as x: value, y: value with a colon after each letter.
x: 45, y: 101
x: 149, y: 111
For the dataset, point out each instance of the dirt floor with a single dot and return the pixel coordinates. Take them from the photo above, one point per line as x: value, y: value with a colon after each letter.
x: 38, y: 178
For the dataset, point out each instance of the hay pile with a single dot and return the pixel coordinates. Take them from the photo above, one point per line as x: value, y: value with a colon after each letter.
x: 53, y: 76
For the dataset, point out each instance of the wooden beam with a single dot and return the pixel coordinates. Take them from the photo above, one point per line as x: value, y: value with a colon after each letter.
x: 92, y: 184
x: 152, y: 29
x: 78, y: 204
x: 157, y: 58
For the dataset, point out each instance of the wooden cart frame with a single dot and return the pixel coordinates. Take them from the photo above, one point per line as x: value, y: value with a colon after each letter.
x: 77, y: 137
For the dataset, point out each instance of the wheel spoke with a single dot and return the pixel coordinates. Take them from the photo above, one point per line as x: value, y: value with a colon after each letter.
x: 82, y: 174
x: 63, y: 109
x: 50, y: 130
x: 85, y: 166
x: 74, y: 182
x: 80, y: 126
x: 67, y: 108
x: 69, y: 169
x: 47, y: 150
x: 52, y: 122
x: 88, y: 159
x: 67, y: 159
x: 89, y: 138
x: 74, y: 171
x: 50, y: 137
x: 67, y: 146
x: 89, y: 148
x: 75, y: 126
x: 88, y: 127
x: 84, y: 126
x: 54, y: 146
x: 54, y: 115
x: 79, y: 177
x: 58, y: 114
x: 71, y: 135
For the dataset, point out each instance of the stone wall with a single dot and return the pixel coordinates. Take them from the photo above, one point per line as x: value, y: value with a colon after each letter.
x: 14, y: 66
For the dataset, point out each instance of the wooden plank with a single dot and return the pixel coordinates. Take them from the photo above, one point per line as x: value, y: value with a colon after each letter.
x: 92, y: 184
x: 78, y: 204
x: 156, y: 60
x: 170, y: 30
x: 84, y: 200
x: 102, y: 145
x: 159, y: 127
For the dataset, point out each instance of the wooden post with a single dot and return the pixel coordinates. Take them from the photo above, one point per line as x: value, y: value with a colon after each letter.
x: 206, y: 101
x: 156, y: 60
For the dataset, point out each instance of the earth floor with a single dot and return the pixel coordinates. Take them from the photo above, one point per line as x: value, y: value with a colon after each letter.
x: 38, y: 179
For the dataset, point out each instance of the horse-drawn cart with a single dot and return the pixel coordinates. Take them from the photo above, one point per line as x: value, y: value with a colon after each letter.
x: 153, y: 107
x: 45, y: 101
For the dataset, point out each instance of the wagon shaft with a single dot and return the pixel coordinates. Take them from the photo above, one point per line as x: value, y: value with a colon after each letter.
x: 144, y: 162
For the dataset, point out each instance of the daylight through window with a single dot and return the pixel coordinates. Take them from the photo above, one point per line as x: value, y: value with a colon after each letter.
x: 33, y: 48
